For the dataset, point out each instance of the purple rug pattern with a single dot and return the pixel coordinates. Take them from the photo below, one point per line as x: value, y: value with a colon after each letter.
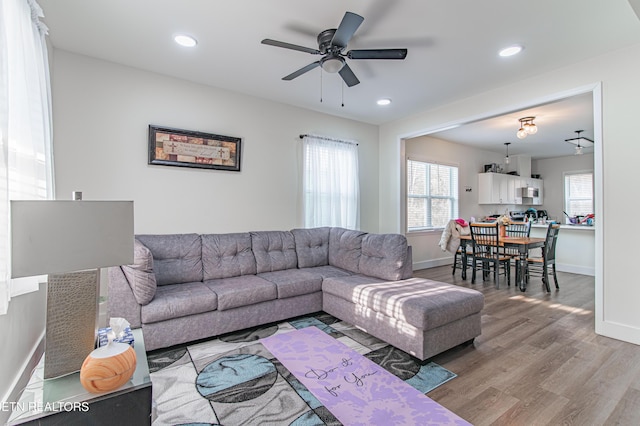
x: 354, y: 389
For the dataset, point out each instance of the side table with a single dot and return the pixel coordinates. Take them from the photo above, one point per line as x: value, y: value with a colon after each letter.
x: 63, y: 400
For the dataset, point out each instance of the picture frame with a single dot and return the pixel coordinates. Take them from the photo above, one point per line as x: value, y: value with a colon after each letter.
x: 187, y: 148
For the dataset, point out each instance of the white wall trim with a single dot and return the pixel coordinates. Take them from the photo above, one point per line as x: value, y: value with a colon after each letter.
x: 618, y: 331
x: 598, y: 187
x: 576, y: 269
x: 22, y: 377
x: 432, y: 263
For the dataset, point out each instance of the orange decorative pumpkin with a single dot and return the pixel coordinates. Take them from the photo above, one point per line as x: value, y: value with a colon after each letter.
x: 107, y: 368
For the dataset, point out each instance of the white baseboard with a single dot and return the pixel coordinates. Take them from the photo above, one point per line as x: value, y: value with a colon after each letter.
x: 576, y: 269
x: 618, y: 331
x: 22, y: 377
x: 426, y: 264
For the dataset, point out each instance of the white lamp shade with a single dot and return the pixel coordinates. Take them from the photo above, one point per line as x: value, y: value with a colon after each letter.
x: 49, y: 237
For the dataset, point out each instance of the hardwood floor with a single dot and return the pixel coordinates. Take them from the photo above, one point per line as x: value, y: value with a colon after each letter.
x: 538, y: 360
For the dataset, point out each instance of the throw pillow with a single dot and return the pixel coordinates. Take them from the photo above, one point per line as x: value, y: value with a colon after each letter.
x: 140, y: 275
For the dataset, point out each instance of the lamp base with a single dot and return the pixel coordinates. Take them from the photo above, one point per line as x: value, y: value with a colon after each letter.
x: 72, y: 313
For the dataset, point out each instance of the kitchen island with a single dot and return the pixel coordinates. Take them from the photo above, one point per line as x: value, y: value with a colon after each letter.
x: 575, y: 249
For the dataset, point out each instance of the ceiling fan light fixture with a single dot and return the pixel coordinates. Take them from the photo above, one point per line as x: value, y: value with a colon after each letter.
x: 383, y: 102
x: 332, y: 44
x: 333, y: 64
x: 510, y: 51
x: 577, y: 140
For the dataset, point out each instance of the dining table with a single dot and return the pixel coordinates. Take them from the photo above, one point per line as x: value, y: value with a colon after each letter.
x: 522, y: 244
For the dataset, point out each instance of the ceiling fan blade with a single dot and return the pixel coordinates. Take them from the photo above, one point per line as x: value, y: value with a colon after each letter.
x: 290, y: 46
x: 302, y: 71
x: 348, y: 26
x: 348, y: 76
x: 377, y: 54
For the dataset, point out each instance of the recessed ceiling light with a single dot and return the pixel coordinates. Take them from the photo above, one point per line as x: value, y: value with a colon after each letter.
x: 511, y: 50
x: 185, y: 40
x: 384, y: 101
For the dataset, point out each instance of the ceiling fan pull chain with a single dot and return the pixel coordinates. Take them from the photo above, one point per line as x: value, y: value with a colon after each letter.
x: 342, y: 86
x: 320, y: 85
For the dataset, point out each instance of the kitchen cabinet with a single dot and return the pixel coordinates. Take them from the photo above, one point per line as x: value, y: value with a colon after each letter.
x: 498, y: 188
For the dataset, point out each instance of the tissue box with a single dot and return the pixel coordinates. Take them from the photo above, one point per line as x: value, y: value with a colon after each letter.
x: 103, y: 340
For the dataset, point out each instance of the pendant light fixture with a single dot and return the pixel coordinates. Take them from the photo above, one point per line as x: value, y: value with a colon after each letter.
x: 506, y: 157
x: 527, y: 127
x: 577, y: 141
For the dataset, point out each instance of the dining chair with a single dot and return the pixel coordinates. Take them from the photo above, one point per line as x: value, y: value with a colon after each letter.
x: 463, y: 252
x: 487, y: 255
x: 516, y: 229
x: 540, y: 265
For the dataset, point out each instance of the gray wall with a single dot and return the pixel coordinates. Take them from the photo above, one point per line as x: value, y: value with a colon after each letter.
x: 101, y: 113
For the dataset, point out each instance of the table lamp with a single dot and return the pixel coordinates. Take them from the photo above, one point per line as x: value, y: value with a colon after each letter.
x: 70, y: 241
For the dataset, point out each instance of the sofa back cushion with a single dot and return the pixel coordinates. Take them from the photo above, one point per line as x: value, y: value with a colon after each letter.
x: 312, y: 246
x: 140, y: 275
x: 345, y: 248
x: 384, y: 256
x: 227, y: 255
x: 177, y: 258
x: 274, y: 250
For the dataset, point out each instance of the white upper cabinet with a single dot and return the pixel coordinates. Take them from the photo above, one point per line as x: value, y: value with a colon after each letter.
x: 497, y: 188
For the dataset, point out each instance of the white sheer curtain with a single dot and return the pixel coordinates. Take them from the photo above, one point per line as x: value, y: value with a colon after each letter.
x: 330, y: 183
x: 25, y: 124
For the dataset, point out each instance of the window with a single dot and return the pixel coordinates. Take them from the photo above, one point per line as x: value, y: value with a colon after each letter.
x: 578, y: 193
x: 25, y: 125
x: 330, y: 183
x: 432, y: 195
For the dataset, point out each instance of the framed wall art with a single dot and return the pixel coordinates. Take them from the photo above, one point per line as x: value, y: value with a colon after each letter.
x: 185, y: 148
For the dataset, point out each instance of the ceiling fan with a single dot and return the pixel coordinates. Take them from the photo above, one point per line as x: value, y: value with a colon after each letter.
x: 331, y: 44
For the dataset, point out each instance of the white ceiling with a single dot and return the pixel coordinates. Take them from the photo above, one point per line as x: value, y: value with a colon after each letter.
x: 556, y: 122
x: 452, y: 47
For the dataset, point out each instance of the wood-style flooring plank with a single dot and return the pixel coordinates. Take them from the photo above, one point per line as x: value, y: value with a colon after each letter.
x: 538, y: 360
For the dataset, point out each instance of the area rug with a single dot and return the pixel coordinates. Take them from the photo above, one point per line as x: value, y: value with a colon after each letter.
x: 353, y: 388
x: 236, y: 380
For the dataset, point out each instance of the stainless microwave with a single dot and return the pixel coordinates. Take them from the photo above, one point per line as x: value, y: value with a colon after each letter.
x: 529, y: 192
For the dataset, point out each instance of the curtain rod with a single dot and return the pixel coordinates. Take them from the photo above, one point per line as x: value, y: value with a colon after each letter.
x: 329, y: 139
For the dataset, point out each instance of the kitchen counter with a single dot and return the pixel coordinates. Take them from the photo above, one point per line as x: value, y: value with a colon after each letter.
x: 565, y: 226
x: 575, y: 249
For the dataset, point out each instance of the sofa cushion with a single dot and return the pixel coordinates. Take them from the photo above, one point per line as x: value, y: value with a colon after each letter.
x: 345, y: 287
x: 227, y: 255
x: 328, y: 271
x: 345, y: 248
x: 140, y: 275
x: 383, y: 256
x: 177, y: 258
x: 294, y: 282
x: 274, y: 250
x: 179, y: 300
x: 241, y: 291
x: 423, y: 303
x: 312, y: 246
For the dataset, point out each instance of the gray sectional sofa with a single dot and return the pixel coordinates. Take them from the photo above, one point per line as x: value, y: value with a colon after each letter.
x: 185, y: 287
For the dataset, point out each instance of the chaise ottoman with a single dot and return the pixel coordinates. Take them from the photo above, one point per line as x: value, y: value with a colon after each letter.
x: 420, y: 316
